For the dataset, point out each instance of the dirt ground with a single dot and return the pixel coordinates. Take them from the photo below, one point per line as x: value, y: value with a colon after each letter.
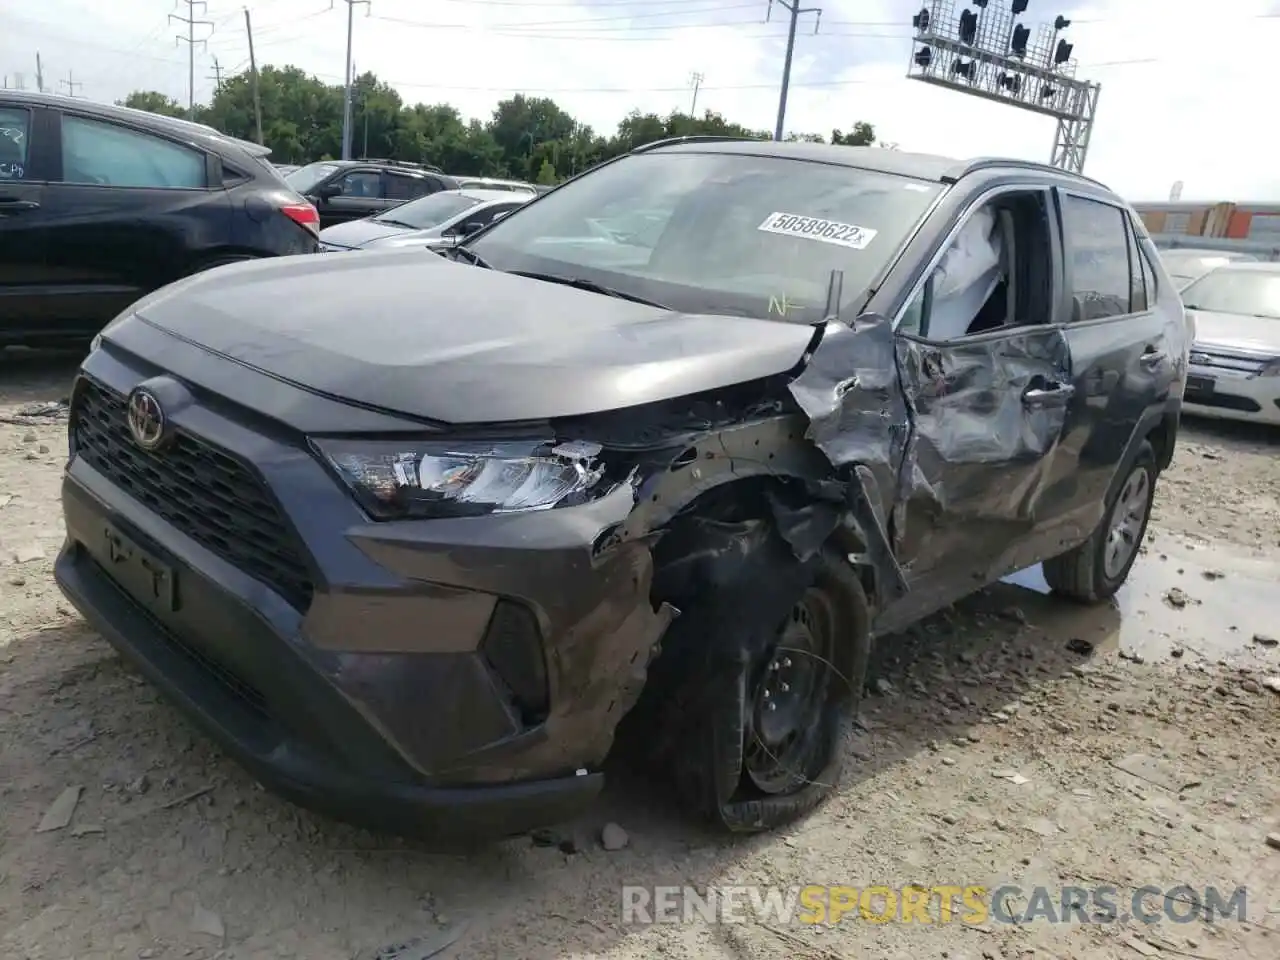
x: 990, y: 753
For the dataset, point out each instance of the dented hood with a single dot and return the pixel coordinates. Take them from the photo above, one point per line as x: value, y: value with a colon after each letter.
x: 417, y: 334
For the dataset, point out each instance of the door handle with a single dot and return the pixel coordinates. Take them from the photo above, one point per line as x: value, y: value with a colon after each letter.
x: 14, y: 205
x: 1050, y: 395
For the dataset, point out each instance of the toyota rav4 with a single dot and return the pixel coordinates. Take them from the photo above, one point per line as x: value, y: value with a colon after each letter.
x: 410, y: 535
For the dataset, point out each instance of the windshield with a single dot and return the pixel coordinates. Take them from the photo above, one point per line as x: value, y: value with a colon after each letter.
x: 429, y: 211
x: 716, y: 233
x: 1253, y: 293
x: 304, y: 178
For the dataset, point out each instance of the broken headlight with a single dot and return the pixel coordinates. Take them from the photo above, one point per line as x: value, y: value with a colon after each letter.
x: 396, y: 480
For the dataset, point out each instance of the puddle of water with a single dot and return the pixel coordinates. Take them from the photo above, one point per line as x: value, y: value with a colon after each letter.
x: 1229, y: 597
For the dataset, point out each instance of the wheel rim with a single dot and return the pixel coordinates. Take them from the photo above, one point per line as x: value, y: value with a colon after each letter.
x: 789, y: 697
x: 1124, y: 532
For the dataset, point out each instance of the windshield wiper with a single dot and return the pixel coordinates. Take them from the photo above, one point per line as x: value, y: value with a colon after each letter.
x: 469, y: 255
x: 581, y: 283
x: 394, y: 223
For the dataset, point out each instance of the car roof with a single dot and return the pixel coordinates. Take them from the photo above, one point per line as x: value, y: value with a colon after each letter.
x: 919, y: 166
x: 200, y: 132
x: 514, y: 183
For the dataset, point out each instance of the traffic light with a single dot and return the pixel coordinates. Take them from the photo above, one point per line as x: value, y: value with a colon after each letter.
x: 1047, y: 92
x: 1019, y: 6
x: 980, y: 4
x: 921, y: 20
x: 1019, y: 40
x: 1061, y: 23
x: 1011, y: 82
x: 1063, y: 53
x: 924, y: 57
x: 968, y: 27
x: 964, y: 69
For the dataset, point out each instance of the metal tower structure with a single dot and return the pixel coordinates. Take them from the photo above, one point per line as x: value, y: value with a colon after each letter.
x: 985, y: 50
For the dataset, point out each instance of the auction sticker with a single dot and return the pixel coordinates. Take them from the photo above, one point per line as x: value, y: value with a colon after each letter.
x: 816, y: 228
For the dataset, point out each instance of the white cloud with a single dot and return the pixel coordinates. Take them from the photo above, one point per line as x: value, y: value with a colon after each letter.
x: 1188, y: 113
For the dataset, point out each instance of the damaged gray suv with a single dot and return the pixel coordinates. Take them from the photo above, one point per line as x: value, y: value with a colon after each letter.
x: 410, y: 535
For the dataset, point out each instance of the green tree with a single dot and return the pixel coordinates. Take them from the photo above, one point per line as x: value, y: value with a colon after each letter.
x: 532, y: 138
x: 862, y: 135
x: 153, y: 102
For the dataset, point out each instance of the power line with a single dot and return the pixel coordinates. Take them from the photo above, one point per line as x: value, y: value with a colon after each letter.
x: 191, y: 41
x: 70, y: 83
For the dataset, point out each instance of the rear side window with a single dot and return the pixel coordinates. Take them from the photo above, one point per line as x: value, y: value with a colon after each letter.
x: 406, y: 188
x: 1098, y: 248
x: 15, y: 129
x: 105, y: 154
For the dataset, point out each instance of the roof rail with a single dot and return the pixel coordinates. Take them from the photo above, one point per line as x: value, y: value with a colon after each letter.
x: 697, y: 138
x: 983, y: 163
x: 407, y: 164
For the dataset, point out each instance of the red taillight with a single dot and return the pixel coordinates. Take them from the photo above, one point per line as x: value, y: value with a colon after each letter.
x: 303, y: 214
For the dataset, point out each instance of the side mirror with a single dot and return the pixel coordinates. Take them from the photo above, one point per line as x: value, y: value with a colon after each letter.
x: 327, y: 192
x: 469, y: 228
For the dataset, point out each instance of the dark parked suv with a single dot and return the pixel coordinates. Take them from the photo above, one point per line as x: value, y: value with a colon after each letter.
x: 411, y: 536
x: 100, y: 205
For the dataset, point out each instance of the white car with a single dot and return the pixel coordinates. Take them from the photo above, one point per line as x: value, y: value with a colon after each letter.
x: 1235, y: 359
x: 1188, y: 264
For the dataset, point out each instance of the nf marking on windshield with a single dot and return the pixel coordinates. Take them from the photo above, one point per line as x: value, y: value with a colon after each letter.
x: 816, y: 228
x: 783, y: 305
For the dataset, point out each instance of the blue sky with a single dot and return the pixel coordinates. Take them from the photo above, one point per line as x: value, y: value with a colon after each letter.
x: 1180, y: 78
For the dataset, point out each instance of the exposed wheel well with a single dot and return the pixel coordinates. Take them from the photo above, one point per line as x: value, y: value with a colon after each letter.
x: 1162, y: 438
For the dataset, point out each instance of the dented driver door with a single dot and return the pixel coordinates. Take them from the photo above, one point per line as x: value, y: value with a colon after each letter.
x: 987, y: 415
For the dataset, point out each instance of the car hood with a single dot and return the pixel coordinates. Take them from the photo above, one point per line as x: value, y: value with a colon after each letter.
x: 359, y: 233
x: 1234, y: 331
x: 446, y: 341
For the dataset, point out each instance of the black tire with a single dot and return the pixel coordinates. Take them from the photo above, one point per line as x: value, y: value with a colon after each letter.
x: 718, y: 657
x: 1082, y: 573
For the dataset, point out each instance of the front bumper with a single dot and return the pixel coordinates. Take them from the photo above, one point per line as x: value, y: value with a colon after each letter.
x: 440, y: 677
x: 1218, y: 391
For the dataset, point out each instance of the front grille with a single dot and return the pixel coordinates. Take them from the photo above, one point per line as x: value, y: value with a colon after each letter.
x: 1228, y: 361
x: 201, y: 490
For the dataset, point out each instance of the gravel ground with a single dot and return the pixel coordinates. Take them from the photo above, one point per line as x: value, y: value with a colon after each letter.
x: 172, y: 851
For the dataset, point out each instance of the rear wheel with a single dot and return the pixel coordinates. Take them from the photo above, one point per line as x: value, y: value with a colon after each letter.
x: 1097, y: 568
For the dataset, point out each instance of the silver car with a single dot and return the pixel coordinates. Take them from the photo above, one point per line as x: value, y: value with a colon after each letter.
x: 1234, y: 371
x: 1186, y: 264
x: 433, y: 222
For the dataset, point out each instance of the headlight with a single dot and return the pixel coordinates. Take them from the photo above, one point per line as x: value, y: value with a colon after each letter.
x: 1270, y: 369
x: 400, y: 480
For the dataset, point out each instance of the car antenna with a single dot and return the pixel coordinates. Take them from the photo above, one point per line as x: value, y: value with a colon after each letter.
x: 835, y: 290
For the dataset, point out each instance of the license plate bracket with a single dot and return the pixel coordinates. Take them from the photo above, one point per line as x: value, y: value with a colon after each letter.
x: 139, y: 571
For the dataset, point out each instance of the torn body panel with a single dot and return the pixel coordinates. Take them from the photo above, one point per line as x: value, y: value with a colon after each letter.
x: 987, y: 419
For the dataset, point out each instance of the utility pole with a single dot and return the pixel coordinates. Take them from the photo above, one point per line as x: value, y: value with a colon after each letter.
x: 39, y: 73
x: 346, y: 94
x: 217, y: 75
x: 253, y: 77
x: 70, y: 83
x: 190, y: 40
x: 696, y: 79
x: 793, y: 7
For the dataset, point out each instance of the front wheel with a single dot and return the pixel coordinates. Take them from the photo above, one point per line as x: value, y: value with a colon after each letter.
x: 772, y: 666
x: 1096, y: 569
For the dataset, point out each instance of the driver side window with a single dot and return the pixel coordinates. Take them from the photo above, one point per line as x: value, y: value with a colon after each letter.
x: 996, y: 273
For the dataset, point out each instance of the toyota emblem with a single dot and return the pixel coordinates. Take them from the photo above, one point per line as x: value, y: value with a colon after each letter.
x: 146, y: 419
